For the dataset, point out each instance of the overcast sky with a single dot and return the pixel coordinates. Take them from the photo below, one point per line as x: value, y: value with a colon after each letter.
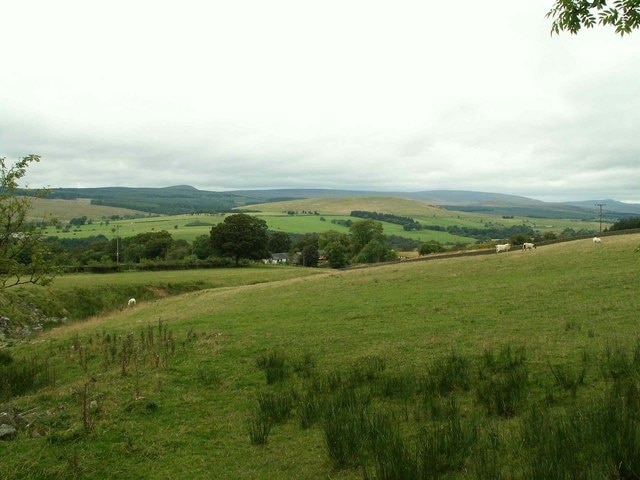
x: 395, y: 95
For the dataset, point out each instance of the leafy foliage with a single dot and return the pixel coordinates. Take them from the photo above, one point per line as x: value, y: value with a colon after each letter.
x: 626, y: 224
x: 24, y: 258
x: 241, y: 236
x: 407, y: 223
x: 573, y: 15
x: 430, y: 247
x: 368, y: 244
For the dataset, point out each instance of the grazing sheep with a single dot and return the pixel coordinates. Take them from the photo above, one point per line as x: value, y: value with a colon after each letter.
x: 131, y: 302
x: 597, y: 240
x: 503, y: 248
x: 528, y: 246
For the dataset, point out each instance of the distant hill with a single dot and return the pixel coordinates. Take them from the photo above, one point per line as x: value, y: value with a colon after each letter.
x: 167, y: 200
x: 65, y: 210
x: 609, y: 206
x: 345, y: 205
x: 187, y: 199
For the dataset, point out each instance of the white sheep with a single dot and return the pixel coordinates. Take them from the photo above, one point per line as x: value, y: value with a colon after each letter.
x: 503, y: 248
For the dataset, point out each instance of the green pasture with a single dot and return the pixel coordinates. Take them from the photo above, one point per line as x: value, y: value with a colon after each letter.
x: 421, y: 211
x: 207, y: 278
x: 181, y: 227
x: 79, y: 296
x: 345, y: 205
x: 65, y: 210
x: 323, y: 223
x: 188, y: 227
x: 181, y: 387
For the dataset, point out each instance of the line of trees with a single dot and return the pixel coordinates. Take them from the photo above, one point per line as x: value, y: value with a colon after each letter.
x: 27, y: 256
x: 407, y: 223
x: 239, y: 238
x: 244, y: 236
x: 626, y: 224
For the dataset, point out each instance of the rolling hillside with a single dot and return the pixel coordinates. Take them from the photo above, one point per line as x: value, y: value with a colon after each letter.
x: 345, y: 205
x: 65, y: 210
x: 186, y: 199
x: 176, y: 387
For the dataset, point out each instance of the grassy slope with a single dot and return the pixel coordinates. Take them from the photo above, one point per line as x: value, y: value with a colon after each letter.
x: 421, y: 211
x: 556, y: 301
x: 344, y: 206
x: 328, y: 208
x: 211, y: 278
x: 178, y: 227
x: 65, y: 210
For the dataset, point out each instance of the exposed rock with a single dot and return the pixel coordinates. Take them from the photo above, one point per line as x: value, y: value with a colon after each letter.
x: 7, y: 432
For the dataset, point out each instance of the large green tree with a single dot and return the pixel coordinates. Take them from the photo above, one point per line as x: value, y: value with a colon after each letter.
x: 573, y: 15
x: 305, y: 250
x: 279, y: 242
x: 24, y: 256
x: 241, y: 236
x: 201, y: 246
x: 362, y: 232
x: 336, y: 248
x: 368, y: 243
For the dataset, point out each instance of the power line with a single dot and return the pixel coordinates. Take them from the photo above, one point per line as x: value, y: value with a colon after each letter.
x: 600, y: 205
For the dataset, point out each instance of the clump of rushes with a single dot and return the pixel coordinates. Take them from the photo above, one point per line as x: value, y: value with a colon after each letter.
x: 275, y: 365
x: 503, y: 381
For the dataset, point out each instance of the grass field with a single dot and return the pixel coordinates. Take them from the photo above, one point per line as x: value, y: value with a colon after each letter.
x: 188, y: 227
x: 209, y: 278
x: 65, y: 210
x: 187, y: 386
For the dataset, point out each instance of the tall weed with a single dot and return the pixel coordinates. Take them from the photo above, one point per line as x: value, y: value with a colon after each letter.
x: 24, y: 375
x: 448, y: 374
x: 258, y: 427
x: 276, y: 406
x: 275, y: 366
x: 394, y: 457
x: 569, y: 378
x: 345, y: 427
x: 503, y: 381
x: 446, y: 446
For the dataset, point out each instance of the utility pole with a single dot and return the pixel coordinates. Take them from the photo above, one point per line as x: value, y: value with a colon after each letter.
x: 600, y: 205
x: 117, y: 244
